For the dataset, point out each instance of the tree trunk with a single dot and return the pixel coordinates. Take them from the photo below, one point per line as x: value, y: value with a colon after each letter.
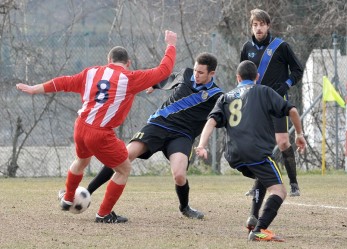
x: 13, y: 165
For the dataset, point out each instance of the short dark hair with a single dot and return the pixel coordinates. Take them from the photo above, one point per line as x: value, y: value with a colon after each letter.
x: 207, y: 59
x: 259, y: 15
x: 118, y: 54
x: 247, y: 70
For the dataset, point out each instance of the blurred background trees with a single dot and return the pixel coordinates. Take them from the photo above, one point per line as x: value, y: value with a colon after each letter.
x: 42, y: 39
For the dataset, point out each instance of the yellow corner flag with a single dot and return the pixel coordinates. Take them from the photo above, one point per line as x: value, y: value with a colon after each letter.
x: 330, y: 94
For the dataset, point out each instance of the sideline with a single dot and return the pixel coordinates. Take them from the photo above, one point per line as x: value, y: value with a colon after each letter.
x: 311, y: 205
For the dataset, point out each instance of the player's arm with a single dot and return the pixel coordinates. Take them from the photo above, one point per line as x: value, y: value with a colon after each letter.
x: 299, y: 135
x: 36, y: 89
x: 200, y: 150
x: 296, y: 69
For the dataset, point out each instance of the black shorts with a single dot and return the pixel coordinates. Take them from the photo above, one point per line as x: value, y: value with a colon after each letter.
x: 160, y: 139
x: 266, y: 172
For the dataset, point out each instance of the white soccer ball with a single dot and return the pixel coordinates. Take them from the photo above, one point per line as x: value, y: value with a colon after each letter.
x: 81, y: 201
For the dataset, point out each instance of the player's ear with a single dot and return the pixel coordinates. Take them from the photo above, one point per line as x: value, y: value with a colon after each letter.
x: 238, y: 77
x: 128, y: 63
x: 256, y: 78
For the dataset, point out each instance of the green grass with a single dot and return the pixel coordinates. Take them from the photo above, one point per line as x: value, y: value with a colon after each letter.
x: 30, y: 215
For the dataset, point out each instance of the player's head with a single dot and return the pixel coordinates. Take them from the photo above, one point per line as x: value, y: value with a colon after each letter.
x: 246, y: 70
x: 260, y: 23
x: 118, y: 54
x: 204, y: 68
x: 207, y: 59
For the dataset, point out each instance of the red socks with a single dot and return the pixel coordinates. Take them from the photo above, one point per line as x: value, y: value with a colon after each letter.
x: 72, y: 182
x: 112, y: 194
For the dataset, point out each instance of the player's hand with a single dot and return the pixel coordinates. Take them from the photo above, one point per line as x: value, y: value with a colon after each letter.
x: 170, y: 37
x: 201, y: 152
x: 281, y: 88
x: 150, y: 90
x: 300, y: 144
x: 25, y: 88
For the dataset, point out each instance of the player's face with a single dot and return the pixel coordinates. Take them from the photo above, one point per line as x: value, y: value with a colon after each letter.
x: 201, y: 74
x: 260, y: 29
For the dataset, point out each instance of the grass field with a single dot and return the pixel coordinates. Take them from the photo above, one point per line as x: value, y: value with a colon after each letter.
x: 30, y: 216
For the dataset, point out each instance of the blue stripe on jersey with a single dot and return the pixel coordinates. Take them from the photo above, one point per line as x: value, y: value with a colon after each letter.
x: 267, y: 55
x: 185, y: 103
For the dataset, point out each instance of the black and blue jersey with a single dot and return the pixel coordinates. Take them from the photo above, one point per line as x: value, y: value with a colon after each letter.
x: 246, y: 113
x: 283, y: 66
x: 187, y: 108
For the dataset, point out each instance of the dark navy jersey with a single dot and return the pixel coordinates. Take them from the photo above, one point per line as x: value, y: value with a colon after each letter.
x: 283, y: 67
x: 246, y: 113
x: 187, y: 108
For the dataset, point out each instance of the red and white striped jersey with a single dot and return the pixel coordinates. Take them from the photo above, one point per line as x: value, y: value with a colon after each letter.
x: 108, y: 91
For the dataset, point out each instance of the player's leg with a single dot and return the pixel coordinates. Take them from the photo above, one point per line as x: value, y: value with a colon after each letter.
x: 257, y: 202
x: 134, y: 148
x: 178, y: 151
x: 289, y: 161
x: 270, y: 176
x: 258, y: 197
x: 112, y: 152
x: 113, y: 192
x: 73, y: 179
x: 282, y: 140
x: 75, y: 172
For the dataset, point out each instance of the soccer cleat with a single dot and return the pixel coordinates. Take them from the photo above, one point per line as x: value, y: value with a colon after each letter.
x: 294, y: 189
x: 250, y: 192
x: 65, y: 205
x: 264, y: 235
x: 192, y: 213
x: 110, y: 218
x: 251, y: 223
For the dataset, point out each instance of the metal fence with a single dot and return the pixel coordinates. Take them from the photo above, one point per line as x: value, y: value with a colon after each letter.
x: 41, y: 127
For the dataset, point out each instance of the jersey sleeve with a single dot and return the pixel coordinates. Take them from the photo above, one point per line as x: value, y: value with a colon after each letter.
x: 143, y: 79
x: 218, y: 114
x: 296, y: 69
x: 174, y: 79
x: 277, y: 106
x: 72, y: 83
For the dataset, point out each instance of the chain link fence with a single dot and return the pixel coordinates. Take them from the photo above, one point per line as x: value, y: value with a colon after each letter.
x: 40, y: 127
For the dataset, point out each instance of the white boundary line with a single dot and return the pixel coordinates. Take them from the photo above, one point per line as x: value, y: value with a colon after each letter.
x: 311, y: 205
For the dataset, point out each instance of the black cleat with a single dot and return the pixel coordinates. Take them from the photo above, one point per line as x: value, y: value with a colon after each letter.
x: 192, y: 213
x: 294, y: 189
x: 110, y: 218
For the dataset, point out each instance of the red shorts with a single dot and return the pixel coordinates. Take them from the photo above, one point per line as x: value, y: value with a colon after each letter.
x: 99, y: 142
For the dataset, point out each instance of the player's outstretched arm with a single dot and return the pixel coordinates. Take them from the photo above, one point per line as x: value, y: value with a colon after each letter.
x: 200, y: 150
x: 36, y: 89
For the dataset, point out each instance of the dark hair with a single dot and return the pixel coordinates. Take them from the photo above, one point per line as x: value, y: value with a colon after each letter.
x: 259, y: 15
x: 247, y: 70
x: 207, y: 59
x: 118, y: 54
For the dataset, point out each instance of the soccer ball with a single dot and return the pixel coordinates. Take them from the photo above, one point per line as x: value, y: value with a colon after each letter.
x: 81, y: 201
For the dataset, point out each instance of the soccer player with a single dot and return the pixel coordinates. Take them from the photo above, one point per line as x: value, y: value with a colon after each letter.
x: 107, y: 94
x: 246, y: 113
x: 278, y: 68
x: 174, y: 126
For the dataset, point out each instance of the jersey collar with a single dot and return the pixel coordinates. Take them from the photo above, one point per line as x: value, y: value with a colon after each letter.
x: 245, y: 82
x: 199, y: 87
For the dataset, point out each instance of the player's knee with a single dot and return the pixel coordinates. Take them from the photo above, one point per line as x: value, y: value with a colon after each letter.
x: 180, y: 179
